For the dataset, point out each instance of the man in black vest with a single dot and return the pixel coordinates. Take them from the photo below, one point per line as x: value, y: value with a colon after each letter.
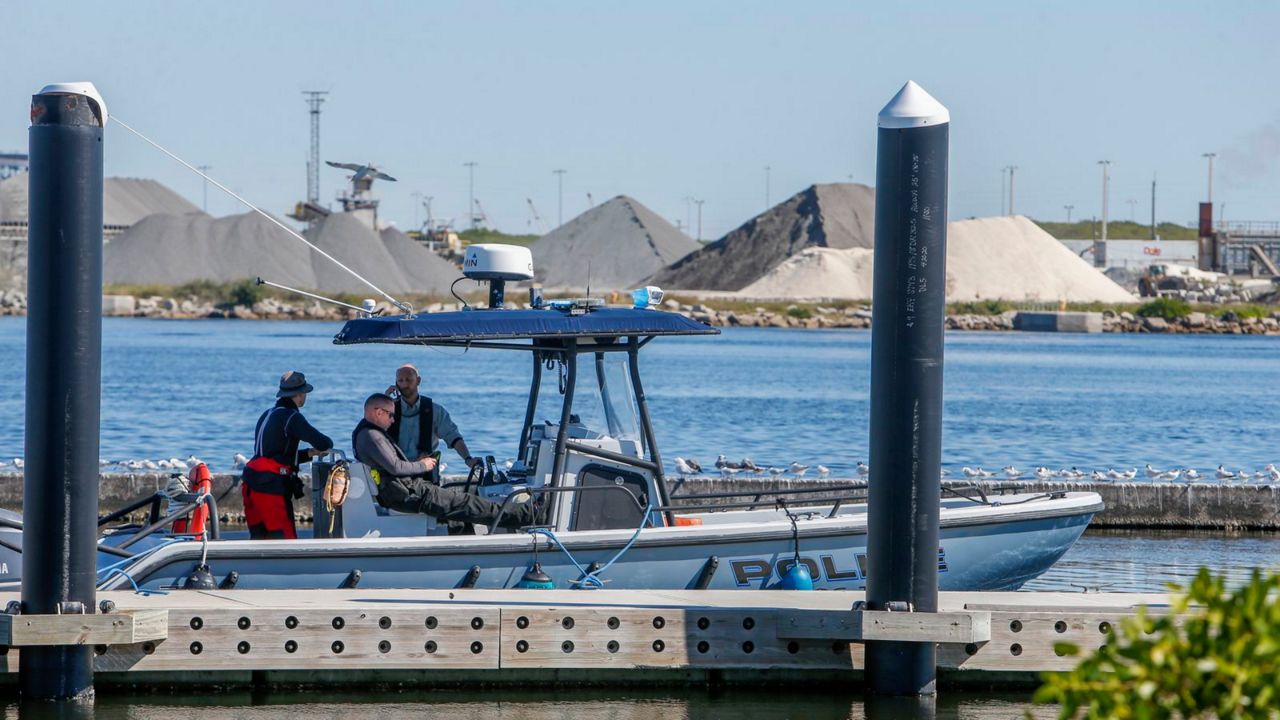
x: 271, y: 478
x: 420, y: 424
x: 403, y: 484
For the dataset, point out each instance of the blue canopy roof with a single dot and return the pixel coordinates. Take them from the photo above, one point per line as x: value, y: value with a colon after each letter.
x: 457, y: 328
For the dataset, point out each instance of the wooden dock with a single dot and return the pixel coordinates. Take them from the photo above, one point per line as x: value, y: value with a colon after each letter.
x: 451, y: 637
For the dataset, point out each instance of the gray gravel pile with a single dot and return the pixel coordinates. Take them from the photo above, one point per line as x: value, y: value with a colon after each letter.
x: 125, y: 201
x: 836, y: 215
x: 427, y: 272
x: 175, y: 249
x: 613, y: 246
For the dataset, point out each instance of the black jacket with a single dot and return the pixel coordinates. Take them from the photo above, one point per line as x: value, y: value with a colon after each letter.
x: 279, y: 432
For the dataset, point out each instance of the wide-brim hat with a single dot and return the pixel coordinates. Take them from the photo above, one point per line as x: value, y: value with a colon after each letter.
x: 293, y: 383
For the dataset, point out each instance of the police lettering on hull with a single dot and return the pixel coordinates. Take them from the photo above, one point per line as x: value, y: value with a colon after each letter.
x: 749, y: 572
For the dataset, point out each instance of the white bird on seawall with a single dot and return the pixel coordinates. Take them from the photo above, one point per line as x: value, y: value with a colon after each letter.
x: 797, y: 469
x: 1225, y: 474
x: 1272, y: 472
x: 777, y: 471
x: 1152, y: 472
x: 971, y: 472
x: 682, y: 467
x: 694, y: 465
x: 1043, y: 473
x: 1097, y: 475
x: 1114, y: 474
x: 1171, y: 475
x: 863, y: 469
x: 239, y: 461
x: 1191, y: 474
x: 19, y: 463
x: 727, y: 471
x: 1012, y: 472
x: 1129, y: 474
x: 823, y: 470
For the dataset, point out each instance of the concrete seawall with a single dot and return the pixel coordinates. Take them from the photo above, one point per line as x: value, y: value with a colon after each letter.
x: 1209, y: 506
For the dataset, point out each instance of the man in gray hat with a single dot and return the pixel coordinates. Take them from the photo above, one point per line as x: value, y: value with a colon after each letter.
x: 271, y: 477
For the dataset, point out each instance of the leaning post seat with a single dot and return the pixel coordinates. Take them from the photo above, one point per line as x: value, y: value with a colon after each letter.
x: 363, y: 516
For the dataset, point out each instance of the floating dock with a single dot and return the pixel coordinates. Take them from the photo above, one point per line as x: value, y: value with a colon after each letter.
x: 604, y: 637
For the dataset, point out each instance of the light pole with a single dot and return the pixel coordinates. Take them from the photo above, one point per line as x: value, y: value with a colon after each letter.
x: 471, y: 191
x: 560, y: 201
x: 766, y: 186
x: 1004, y: 189
x: 1012, y: 169
x: 688, y: 211
x: 1106, y: 179
x: 1133, y: 210
x: 1210, y: 157
x: 1069, y: 208
x: 699, y: 202
x: 427, y: 203
x: 204, y: 201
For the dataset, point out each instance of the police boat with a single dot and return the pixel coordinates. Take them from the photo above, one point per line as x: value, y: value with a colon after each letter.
x: 588, y: 458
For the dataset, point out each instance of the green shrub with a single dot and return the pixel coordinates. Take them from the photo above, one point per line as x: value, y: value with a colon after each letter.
x: 1249, y: 311
x: 1214, y: 654
x: 1166, y: 307
x: 244, y: 292
x: 980, y: 307
x: 802, y: 313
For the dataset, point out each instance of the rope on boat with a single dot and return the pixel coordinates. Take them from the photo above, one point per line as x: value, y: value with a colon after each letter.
x: 591, y: 580
x: 402, y: 305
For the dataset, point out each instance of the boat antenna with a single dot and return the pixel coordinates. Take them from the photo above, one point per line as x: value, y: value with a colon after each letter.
x: 339, y: 303
x: 406, y: 307
x: 588, y: 277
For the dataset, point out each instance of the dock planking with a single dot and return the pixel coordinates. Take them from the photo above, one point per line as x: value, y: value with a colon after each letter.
x: 503, y: 635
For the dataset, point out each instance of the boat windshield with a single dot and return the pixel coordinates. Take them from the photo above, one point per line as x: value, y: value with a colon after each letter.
x: 603, y: 399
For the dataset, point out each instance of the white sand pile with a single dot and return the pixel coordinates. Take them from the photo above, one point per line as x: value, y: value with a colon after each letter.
x: 987, y: 259
x: 125, y: 201
x: 837, y: 215
x: 817, y: 272
x: 1013, y: 259
x: 613, y: 246
x: 427, y: 272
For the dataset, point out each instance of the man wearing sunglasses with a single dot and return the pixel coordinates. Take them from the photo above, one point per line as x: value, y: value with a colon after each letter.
x: 405, y: 485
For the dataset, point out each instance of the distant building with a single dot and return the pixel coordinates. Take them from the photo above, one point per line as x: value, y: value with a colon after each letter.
x: 11, y: 164
x: 1135, y: 254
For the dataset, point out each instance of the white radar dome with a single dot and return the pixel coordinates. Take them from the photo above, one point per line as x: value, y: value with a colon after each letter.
x: 492, y: 261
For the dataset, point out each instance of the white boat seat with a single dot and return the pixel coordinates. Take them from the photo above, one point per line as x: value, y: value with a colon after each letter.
x: 363, y: 516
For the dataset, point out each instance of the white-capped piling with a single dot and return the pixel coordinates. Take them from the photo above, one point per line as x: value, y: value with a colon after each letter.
x: 64, y: 373
x: 908, y: 298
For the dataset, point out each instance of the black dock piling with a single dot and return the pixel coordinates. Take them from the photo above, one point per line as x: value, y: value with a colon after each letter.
x: 64, y: 372
x: 908, y: 306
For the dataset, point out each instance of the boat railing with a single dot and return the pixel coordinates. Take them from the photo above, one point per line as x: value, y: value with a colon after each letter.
x: 535, y: 491
x: 838, y: 495
x: 610, y: 455
x: 181, y: 511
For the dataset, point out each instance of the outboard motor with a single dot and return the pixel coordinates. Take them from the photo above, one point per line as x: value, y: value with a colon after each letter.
x: 497, y: 263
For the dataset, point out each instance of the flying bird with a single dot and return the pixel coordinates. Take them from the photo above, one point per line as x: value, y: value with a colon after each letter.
x: 361, y: 171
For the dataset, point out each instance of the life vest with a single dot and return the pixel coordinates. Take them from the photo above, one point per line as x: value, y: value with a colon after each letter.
x: 270, y: 466
x: 200, y: 481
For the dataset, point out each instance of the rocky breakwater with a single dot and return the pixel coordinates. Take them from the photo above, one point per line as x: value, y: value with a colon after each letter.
x: 819, y: 316
x: 13, y: 302
x: 1226, y: 323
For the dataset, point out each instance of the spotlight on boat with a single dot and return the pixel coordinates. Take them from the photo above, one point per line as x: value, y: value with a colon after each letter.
x: 497, y: 264
x: 647, y: 297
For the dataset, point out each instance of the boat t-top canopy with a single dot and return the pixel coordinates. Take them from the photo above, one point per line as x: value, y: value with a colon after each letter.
x: 496, y: 328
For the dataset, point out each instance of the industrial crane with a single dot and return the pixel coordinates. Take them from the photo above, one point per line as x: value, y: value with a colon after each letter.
x: 479, y: 214
x: 542, y: 227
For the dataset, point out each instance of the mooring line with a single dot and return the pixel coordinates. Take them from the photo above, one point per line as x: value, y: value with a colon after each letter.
x: 403, y: 306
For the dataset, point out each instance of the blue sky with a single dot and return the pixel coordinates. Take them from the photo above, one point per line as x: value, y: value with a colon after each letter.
x: 666, y: 100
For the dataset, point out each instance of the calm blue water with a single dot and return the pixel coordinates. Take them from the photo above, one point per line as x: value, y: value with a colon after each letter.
x: 175, y: 388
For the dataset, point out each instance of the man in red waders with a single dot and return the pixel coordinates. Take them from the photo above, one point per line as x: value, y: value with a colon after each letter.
x: 271, y: 478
